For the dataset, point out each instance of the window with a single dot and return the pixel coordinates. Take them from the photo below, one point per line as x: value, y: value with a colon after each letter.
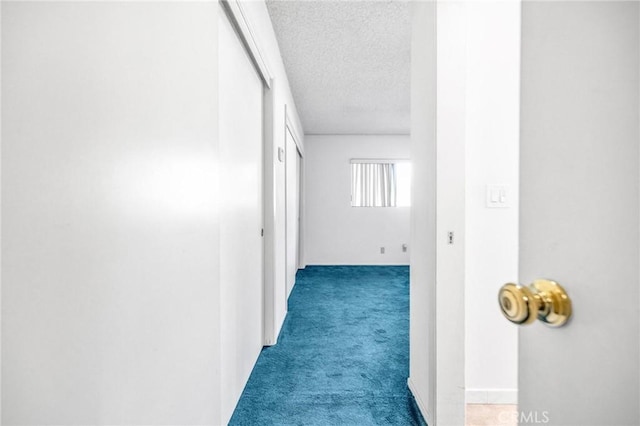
x: 380, y: 183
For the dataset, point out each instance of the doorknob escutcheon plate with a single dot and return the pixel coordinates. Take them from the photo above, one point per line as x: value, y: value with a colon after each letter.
x: 545, y: 300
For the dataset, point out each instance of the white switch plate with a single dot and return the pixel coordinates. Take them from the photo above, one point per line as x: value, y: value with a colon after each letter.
x: 497, y: 196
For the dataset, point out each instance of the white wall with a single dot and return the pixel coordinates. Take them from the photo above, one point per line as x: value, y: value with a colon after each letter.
x: 492, y: 140
x: 437, y: 378
x: 277, y: 100
x: 110, y: 213
x: 477, y: 140
x: 422, y: 335
x: 336, y: 233
x: 450, y: 213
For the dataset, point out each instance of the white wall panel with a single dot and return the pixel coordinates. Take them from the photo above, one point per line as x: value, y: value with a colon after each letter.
x: 109, y: 213
x: 241, y: 275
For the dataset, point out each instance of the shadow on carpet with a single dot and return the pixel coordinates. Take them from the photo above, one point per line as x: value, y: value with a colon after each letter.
x: 342, y: 357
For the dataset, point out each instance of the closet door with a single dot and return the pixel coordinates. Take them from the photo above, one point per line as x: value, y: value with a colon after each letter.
x: 241, y: 221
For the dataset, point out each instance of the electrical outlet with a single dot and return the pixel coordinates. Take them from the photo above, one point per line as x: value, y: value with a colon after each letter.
x: 381, y: 250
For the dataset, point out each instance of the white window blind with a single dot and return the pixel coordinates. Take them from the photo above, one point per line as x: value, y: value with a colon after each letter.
x: 380, y: 183
x: 373, y: 184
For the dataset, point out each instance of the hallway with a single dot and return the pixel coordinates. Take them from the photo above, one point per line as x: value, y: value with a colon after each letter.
x: 170, y: 170
x: 343, y: 354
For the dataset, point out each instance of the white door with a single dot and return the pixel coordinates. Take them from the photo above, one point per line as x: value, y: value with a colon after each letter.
x: 241, y: 218
x: 579, y: 210
x: 292, y: 177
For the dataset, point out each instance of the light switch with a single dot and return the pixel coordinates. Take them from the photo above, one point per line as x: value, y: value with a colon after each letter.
x: 497, y: 196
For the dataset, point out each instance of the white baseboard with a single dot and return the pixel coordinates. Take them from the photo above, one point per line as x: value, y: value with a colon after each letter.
x: 491, y: 396
x: 421, y: 405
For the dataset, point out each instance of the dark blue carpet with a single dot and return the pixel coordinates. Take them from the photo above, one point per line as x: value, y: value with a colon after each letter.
x: 343, y: 353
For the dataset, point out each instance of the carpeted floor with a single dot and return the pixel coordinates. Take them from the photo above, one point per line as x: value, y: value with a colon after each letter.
x: 343, y: 353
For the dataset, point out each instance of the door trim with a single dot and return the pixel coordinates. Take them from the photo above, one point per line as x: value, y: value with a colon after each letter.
x: 290, y: 128
x: 288, y: 124
x: 239, y: 19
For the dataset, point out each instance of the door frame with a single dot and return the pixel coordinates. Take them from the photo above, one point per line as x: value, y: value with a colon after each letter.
x: 443, y: 98
x: 437, y: 332
x: 289, y: 124
x: 289, y: 127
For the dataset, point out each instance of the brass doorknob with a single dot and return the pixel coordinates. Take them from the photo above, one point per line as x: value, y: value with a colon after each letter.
x: 545, y: 300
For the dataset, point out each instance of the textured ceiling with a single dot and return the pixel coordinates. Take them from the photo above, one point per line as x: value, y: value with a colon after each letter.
x: 348, y: 63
